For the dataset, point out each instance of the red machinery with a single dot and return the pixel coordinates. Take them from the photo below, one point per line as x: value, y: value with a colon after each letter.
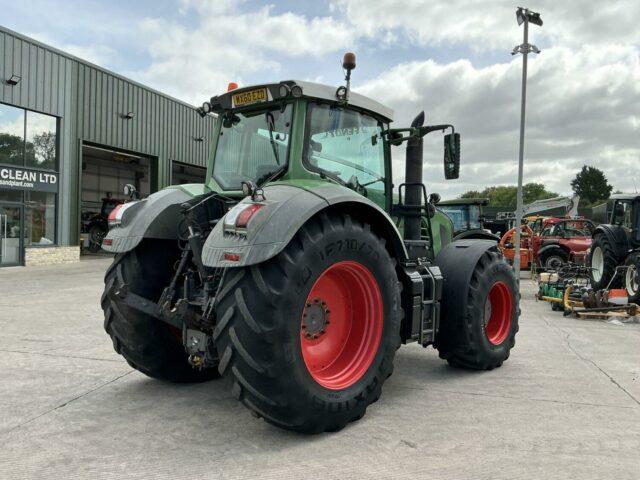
x: 557, y: 241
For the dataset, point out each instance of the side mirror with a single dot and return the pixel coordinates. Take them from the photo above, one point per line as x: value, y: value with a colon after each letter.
x: 452, y: 156
x: 131, y: 192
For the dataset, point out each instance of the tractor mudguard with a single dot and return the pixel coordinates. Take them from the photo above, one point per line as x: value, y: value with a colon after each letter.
x: 156, y: 216
x: 284, y: 210
x: 457, y: 261
x: 477, y: 235
x: 616, y: 237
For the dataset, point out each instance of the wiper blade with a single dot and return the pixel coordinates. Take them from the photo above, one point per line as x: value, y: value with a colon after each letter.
x: 274, y: 146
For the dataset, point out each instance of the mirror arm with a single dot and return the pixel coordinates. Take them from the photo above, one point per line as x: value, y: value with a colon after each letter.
x: 422, y: 131
x: 395, y: 135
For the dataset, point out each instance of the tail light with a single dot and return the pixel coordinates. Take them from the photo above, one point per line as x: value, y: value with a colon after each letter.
x: 246, y: 214
x: 115, y: 217
x: 240, y: 215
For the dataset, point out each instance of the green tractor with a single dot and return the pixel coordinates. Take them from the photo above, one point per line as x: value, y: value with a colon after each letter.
x: 467, y: 217
x: 614, y: 256
x: 296, y: 271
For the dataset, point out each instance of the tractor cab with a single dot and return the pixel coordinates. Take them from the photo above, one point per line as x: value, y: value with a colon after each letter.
x: 312, y: 134
x: 300, y: 130
x: 467, y: 217
x: 625, y: 214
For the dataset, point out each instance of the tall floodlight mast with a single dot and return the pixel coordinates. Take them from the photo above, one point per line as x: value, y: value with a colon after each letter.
x: 526, y: 16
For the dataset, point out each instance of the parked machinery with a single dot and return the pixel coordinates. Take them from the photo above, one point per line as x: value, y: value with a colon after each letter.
x: 467, y: 217
x: 297, y: 271
x: 553, y: 242
x: 95, y: 224
x: 617, y: 244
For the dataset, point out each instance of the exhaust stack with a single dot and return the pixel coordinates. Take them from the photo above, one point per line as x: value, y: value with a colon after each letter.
x: 413, y: 175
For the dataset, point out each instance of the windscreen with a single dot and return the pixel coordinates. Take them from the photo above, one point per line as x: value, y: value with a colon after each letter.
x: 252, y: 146
x: 464, y: 217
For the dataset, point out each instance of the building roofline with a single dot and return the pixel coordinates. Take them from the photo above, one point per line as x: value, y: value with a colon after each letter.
x: 465, y: 201
x: 69, y: 56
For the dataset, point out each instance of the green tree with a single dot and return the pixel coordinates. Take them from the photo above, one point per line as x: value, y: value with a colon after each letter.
x: 471, y: 194
x: 505, y: 195
x: 11, y: 149
x: 592, y: 185
x: 43, y: 150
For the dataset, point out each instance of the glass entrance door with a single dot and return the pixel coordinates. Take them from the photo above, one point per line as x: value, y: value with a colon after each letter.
x: 11, y: 240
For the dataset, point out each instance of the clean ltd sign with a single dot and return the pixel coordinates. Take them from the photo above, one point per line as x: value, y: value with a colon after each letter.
x: 16, y: 178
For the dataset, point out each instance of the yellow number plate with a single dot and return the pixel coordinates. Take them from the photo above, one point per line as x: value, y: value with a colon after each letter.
x: 252, y: 96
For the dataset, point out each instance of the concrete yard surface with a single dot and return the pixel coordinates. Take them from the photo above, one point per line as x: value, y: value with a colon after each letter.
x: 566, y: 405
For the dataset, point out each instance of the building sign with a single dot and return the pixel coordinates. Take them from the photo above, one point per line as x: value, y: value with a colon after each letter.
x: 18, y: 178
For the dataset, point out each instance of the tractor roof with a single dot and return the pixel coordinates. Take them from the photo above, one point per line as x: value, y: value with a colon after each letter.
x: 466, y: 201
x: 624, y: 196
x: 309, y: 89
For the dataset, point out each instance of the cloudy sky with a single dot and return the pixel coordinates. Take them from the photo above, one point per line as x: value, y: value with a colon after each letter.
x: 450, y: 58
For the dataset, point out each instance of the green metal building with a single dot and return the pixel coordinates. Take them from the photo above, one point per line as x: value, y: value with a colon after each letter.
x: 71, y: 135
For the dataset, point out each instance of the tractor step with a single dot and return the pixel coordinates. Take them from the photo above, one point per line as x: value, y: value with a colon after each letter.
x: 421, y: 301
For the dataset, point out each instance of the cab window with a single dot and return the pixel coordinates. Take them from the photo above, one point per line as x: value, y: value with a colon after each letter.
x: 252, y: 146
x: 537, y: 225
x: 622, y: 214
x: 346, y: 144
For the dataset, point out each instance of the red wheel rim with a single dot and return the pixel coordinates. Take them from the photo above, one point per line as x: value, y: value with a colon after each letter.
x: 497, y: 313
x: 341, y: 325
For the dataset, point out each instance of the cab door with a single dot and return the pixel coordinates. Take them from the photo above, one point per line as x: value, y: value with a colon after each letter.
x: 347, y: 144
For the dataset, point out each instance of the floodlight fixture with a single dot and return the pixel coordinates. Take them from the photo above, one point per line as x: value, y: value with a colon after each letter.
x: 14, y: 80
x: 523, y: 14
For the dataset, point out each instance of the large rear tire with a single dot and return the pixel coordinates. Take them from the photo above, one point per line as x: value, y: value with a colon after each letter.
x: 480, y: 333
x: 309, y: 337
x: 603, y: 263
x: 147, y: 344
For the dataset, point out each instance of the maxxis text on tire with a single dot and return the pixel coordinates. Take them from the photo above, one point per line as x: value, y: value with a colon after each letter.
x: 147, y: 344
x: 259, y: 330
x: 474, y: 335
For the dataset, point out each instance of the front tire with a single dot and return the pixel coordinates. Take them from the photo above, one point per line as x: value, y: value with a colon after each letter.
x: 632, y: 277
x: 603, y: 263
x: 146, y: 343
x: 555, y: 260
x: 480, y: 333
x: 309, y: 337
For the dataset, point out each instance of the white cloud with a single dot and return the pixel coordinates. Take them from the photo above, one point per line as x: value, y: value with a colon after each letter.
x: 11, y: 122
x: 491, y: 24
x: 230, y: 43
x: 582, y: 108
x: 96, y: 53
